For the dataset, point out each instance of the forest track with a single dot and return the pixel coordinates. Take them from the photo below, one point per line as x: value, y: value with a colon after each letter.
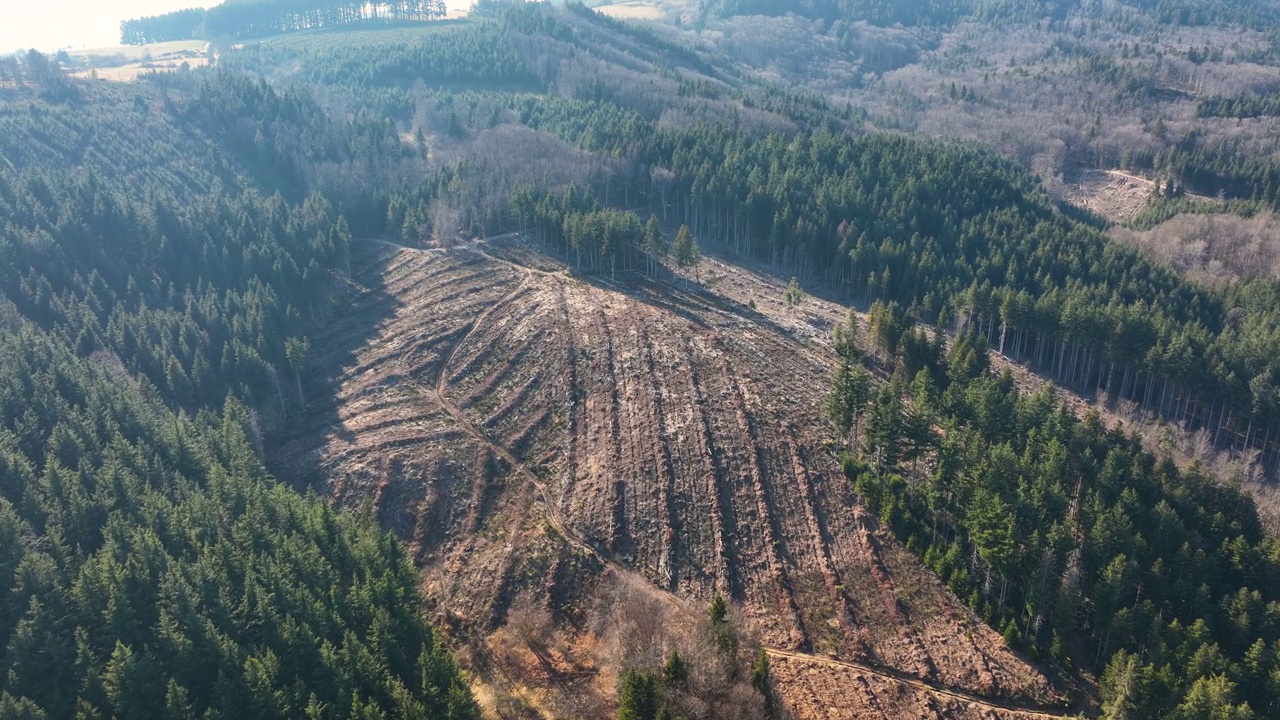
x: 933, y: 688
x: 458, y: 416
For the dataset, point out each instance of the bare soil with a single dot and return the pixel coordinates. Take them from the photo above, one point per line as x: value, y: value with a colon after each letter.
x: 1115, y: 195
x: 526, y: 430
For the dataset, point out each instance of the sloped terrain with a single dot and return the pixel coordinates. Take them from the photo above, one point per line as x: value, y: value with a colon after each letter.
x: 522, y: 427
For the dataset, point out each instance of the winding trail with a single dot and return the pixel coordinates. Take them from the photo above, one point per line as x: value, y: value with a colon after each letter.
x: 573, y: 538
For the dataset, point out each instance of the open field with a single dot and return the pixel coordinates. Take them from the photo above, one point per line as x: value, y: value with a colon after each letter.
x: 528, y: 431
x: 632, y: 11
x: 125, y: 63
x: 1114, y: 195
x: 141, y: 53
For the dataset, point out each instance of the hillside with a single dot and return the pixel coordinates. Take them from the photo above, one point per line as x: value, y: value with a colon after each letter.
x: 700, y: 368
x: 150, y: 566
x: 670, y: 431
x: 568, y: 122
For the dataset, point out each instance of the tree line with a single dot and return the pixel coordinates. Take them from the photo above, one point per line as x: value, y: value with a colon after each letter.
x: 241, y: 19
x: 914, y: 13
x: 1240, y: 106
x: 1065, y: 535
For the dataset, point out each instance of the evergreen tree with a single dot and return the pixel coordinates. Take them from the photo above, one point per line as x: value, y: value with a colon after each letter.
x: 793, y: 296
x: 638, y: 699
x: 654, y: 246
x: 846, y: 403
x: 686, y: 251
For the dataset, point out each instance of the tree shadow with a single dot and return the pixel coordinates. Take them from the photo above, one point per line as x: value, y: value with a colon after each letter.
x: 294, y: 449
x: 663, y: 289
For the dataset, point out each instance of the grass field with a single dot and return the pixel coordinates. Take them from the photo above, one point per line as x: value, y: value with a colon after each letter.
x: 632, y: 11
x: 124, y: 63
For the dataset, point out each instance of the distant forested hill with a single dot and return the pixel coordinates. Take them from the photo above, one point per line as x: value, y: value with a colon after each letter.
x: 258, y: 18
x: 946, y: 12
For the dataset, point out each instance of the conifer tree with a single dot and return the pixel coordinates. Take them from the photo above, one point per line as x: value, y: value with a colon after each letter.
x: 686, y: 251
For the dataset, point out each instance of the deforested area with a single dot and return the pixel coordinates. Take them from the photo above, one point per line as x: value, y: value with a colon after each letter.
x: 674, y: 359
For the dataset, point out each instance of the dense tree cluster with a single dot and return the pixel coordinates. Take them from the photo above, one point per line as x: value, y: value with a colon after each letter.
x: 240, y: 268
x: 154, y: 300
x: 1240, y: 106
x: 474, y: 56
x: 1065, y: 535
x: 153, y: 570
x: 242, y: 19
x: 169, y: 27
x: 1213, y: 170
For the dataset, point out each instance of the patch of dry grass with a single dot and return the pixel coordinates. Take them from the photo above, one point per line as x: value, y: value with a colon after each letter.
x: 126, y: 62
x: 632, y: 11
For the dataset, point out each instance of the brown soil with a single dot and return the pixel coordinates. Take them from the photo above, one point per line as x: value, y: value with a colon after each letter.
x: 825, y: 689
x: 524, y: 429
x: 1111, y: 194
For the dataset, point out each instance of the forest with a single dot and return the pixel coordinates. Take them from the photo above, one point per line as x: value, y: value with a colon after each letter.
x: 947, y: 12
x: 957, y: 237
x: 239, y: 19
x: 170, y: 247
x: 153, y: 568
x: 1066, y: 535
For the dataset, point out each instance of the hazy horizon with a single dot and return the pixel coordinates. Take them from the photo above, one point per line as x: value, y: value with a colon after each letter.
x: 79, y: 24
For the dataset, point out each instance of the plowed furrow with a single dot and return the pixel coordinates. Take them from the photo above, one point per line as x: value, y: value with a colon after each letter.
x: 724, y: 516
x: 573, y: 405
x: 818, y: 537
x: 523, y: 437
x: 608, y: 379
x: 432, y: 511
x: 487, y: 360
x: 901, y: 650
x: 514, y: 399
x: 649, y: 393
x: 774, y: 543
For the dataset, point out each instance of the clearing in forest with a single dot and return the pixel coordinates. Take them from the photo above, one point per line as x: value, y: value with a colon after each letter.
x: 632, y: 11
x: 530, y: 431
x: 1114, y: 195
x: 126, y: 62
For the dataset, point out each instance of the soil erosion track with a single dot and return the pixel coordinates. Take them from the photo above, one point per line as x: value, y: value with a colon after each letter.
x: 665, y: 434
